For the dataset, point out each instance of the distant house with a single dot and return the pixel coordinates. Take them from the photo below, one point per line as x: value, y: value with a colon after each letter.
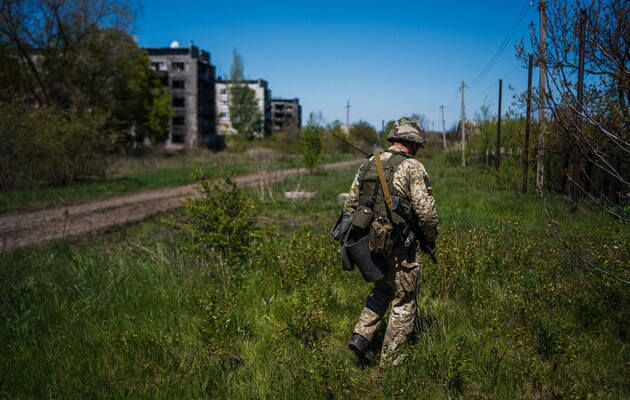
x: 190, y: 79
x: 285, y: 113
x: 263, y: 95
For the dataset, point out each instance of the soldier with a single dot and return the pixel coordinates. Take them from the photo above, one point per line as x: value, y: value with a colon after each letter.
x: 402, y: 216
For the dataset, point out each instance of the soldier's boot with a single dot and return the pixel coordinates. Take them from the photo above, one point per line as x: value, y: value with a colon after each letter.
x: 361, y: 347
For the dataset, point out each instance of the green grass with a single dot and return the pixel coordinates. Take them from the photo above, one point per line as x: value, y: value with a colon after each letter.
x: 509, y: 312
x: 137, y: 174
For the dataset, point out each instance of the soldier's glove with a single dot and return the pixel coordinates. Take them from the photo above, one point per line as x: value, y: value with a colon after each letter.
x: 427, y: 246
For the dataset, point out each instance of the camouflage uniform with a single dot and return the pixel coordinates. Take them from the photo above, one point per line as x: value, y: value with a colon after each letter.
x: 400, y: 285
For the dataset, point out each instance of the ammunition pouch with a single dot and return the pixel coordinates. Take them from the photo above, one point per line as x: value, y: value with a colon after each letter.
x: 381, y: 236
x: 372, y: 266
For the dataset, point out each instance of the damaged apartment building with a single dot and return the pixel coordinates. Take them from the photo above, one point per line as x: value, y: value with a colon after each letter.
x: 200, y: 101
x: 190, y: 79
x: 286, y: 113
x: 263, y: 97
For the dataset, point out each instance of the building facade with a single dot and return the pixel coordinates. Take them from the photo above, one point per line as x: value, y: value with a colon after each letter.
x: 263, y: 96
x: 190, y: 79
x: 285, y: 113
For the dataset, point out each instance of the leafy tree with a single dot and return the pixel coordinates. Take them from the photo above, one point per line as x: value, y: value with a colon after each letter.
x: 51, y: 42
x: 73, y: 65
x: 311, y: 142
x: 245, y: 114
x: 363, y: 135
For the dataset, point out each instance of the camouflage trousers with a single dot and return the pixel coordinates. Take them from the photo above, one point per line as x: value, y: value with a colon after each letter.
x: 399, y: 288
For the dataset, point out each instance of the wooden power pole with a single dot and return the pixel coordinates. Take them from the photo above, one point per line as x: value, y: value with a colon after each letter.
x: 443, y: 128
x: 497, y: 160
x: 540, y: 146
x: 527, y: 125
x: 463, y: 129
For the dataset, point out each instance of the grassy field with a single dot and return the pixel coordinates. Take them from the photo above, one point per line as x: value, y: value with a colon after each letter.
x: 136, y: 174
x: 145, y: 312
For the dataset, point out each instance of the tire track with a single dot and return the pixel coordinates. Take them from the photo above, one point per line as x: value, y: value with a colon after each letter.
x: 22, y: 229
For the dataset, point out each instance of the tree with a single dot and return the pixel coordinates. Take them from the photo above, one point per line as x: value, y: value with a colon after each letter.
x: 73, y: 69
x: 311, y: 142
x: 245, y: 114
x: 599, y: 127
x: 47, y: 41
x: 363, y: 135
x: 591, y: 136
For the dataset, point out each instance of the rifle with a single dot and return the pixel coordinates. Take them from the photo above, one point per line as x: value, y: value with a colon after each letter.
x: 351, y: 145
x: 409, y: 234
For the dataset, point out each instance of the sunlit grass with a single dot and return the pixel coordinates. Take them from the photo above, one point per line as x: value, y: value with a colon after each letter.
x: 508, y: 313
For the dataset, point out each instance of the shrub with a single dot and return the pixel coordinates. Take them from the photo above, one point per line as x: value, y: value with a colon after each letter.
x: 48, y: 146
x: 219, y: 221
x: 311, y: 141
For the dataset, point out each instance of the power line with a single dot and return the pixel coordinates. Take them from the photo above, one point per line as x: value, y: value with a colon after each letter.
x: 503, y: 45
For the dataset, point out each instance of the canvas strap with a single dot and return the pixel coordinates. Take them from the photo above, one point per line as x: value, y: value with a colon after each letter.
x: 381, y: 177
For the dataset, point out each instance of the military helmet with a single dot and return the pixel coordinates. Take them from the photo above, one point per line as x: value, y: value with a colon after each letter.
x: 407, y: 130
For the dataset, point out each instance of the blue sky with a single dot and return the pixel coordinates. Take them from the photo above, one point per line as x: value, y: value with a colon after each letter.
x: 389, y: 59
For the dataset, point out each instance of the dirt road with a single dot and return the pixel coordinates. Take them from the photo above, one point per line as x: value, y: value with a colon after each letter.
x: 31, y: 228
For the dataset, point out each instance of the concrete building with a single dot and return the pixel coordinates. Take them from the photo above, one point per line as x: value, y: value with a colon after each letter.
x: 263, y: 96
x: 285, y: 112
x: 190, y: 78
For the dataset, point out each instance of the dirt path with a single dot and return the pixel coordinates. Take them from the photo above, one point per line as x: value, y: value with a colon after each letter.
x: 31, y: 228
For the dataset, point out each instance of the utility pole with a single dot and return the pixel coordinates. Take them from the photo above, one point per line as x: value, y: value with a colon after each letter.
x: 497, y: 160
x: 348, y: 115
x: 578, y: 121
x: 443, y: 130
x: 527, y: 123
x: 463, y: 129
x: 540, y: 151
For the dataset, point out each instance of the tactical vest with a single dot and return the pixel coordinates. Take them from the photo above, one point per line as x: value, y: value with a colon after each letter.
x: 371, y: 192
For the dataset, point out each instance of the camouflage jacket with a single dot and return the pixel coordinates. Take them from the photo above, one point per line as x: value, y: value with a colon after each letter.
x: 410, y: 180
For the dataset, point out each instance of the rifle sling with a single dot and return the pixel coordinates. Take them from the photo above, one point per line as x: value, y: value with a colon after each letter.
x: 381, y: 177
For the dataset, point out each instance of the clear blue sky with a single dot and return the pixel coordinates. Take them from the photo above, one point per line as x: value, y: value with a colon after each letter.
x: 390, y: 59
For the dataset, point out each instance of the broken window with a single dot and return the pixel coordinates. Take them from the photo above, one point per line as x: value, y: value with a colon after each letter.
x: 158, y: 66
x: 178, y: 102
x: 178, y: 66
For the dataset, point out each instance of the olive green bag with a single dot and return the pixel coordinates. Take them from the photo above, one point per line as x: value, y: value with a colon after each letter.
x: 362, y: 217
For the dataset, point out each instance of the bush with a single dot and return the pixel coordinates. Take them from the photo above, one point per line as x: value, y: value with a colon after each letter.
x: 311, y: 141
x: 42, y: 147
x: 219, y: 220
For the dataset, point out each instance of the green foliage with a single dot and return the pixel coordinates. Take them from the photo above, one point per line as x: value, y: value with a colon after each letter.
x: 363, y: 135
x: 219, y: 220
x: 245, y: 115
x: 49, y: 146
x: 311, y: 142
x: 77, y: 83
x: 508, y: 313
